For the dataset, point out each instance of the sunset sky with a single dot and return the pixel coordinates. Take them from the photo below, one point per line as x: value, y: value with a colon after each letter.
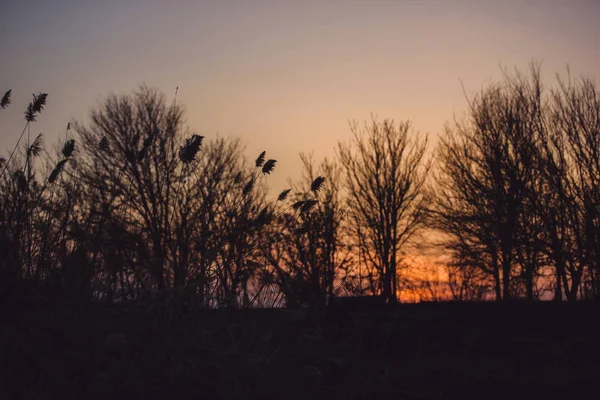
x: 285, y: 76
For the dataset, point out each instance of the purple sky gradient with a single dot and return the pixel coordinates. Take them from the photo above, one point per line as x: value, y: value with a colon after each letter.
x: 285, y: 76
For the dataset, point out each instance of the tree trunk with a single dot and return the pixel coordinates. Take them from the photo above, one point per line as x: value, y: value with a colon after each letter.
x: 496, y: 273
x: 506, y: 261
x: 529, y: 286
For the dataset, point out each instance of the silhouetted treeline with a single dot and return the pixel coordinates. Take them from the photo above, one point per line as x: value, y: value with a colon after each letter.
x: 517, y: 190
x: 134, y: 206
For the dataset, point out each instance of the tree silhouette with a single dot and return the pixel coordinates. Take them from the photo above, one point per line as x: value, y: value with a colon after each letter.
x: 517, y: 186
x: 569, y: 157
x: 165, y: 211
x: 485, y: 175
x: 385, y: 172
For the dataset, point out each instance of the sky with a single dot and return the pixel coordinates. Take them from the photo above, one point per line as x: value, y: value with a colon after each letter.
x: 285, y: 76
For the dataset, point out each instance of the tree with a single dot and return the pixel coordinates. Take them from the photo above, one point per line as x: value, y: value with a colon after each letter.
x: 485, y: 178
x: 385, y: 170
x: 467, y: 282
x: 163, y: 210
x: 569, y: 157
x: 129, y: 163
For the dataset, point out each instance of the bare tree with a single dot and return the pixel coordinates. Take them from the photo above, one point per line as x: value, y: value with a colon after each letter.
x: 163, y: 210
x: 385, y: 170
x: 485, y: 177
x: 129, y: 163
x: 569, y: 157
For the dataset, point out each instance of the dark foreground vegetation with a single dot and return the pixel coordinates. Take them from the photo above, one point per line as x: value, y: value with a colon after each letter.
x: 132, y: 204
x: 142, y: 261
x: 410, y: 351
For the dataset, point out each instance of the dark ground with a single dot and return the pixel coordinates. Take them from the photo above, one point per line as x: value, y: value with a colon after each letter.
x: 51, y: 350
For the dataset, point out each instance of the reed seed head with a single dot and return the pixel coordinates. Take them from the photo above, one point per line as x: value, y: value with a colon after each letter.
x: 35, y: 149
x: 269, y: 166
x: 68, y: 148
x: 39, y: 102
x: 261, y: 159
x: 283, y: 195
x: 188, y: 151
x: 248, y: 187
x: 56, y: 171
x: 308, y: 205
x: 5, y: 99
x: 317, y: 184
x: 35, y: 107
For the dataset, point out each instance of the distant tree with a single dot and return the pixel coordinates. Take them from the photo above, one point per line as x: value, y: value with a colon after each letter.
x: 569, y: 157
x: 130, y: 166
x: 162, y: 208
x: 425, y: 282
x: 484, y: 179
x: 385, y: 170
x: 467, y: 282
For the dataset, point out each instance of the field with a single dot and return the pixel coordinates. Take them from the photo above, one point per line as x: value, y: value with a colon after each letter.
x: 420, y: 351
